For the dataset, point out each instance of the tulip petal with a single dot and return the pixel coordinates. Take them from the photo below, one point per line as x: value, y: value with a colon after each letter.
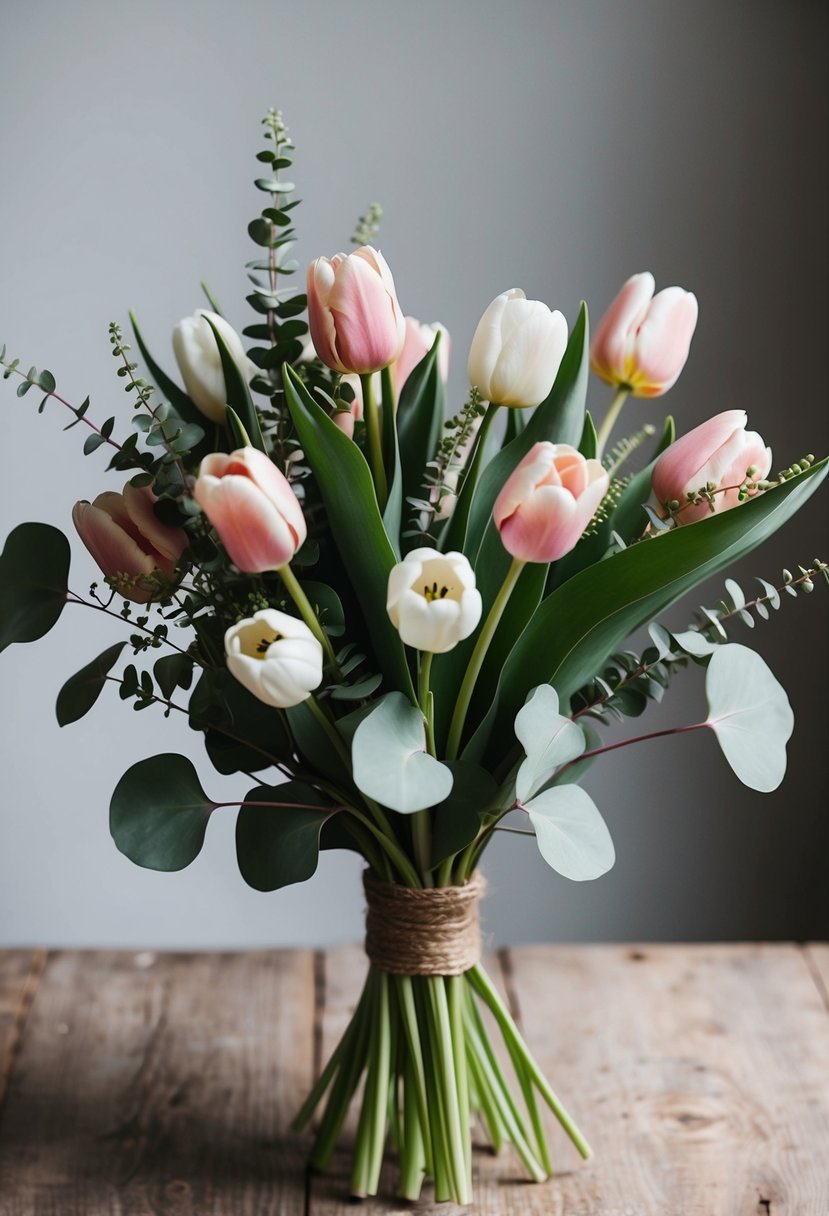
x: 677, y: 469
x: 610, y: 345
x: 663, y: 342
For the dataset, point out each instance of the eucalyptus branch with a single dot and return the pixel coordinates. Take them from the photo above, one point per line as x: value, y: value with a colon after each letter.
x: 45, y: 381
x: 449, y: 458
x: 72, y: 597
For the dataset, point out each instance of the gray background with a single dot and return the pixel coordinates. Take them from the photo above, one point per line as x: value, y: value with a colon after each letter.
x: 555, y: 146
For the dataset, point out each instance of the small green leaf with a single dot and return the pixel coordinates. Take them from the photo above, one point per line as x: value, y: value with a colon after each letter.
x: 173, y: 671
x: 280, y: 845
x: 390, y: 760
x: 572, y: 836
x: 92, y: 442
x: 34, y: 573
x: 81, y: 691
x: 158, y: 813
x: 750, y: 714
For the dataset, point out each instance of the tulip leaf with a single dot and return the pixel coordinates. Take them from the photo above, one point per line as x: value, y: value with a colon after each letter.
x: 581, y: 623
x: 34, y: 573
x: 390, y: 760
x: 750, y: 714
x: 238, y: 393
x: 393, y: 510
x: 280, y: 845
x: 313, y: 743
x: 559, y: 419
x: 457, y: 820
x: 420, y: 414
x: 548, y: 738
x: 347, y: 490
x: 572, y: 836
x: 81, y: 691
x: 158, y: 813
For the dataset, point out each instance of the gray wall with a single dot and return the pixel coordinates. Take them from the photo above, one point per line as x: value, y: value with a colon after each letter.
x: 559, y: 146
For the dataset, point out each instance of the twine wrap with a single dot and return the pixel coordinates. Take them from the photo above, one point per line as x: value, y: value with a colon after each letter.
x: 433, y: 931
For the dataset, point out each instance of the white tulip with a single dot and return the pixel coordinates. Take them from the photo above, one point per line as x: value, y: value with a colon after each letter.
x: 200, y: 363
x: 517, y: 349
x: 275, y: 656
x: 432, y: 600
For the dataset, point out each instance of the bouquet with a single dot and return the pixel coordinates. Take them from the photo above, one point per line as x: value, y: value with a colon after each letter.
x: 406, y: 630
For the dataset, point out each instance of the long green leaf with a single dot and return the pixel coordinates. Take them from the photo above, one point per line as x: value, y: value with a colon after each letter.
x: 238, y: 393
x: 168, y: 388
x: 420, y: 414
x: 582, y: 622
x: 347, y: 490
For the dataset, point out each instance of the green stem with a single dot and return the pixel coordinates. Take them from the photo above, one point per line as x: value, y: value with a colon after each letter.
x: 442, y: 1047
x: 308, y: 615
x: 456, y: 988
x: 489, y: 995
x: 609, y: 420
x: 331, y: 731
x: 478, y: 655
x: 422, y: 823
x: 371, y: 414
x: 411, y: 1030
x: 413, y: 1157
x: 390, y: 846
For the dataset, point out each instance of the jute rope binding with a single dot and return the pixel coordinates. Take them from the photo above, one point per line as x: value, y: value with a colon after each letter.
x: 434, y: 931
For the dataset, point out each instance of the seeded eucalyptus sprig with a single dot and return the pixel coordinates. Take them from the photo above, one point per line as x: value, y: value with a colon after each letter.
x: 367, y: 228
x: 443, y: 472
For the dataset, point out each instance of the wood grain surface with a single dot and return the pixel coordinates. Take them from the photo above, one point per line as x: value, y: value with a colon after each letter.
x: 164, y: 1084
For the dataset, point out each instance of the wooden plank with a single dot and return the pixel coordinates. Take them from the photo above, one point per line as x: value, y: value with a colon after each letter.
x: 160, y: 1084
x: 699, y: 1074
x: 19, y: 973
x: 817, y: 958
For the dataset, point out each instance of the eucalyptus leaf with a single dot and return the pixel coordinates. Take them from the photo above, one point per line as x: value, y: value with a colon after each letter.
x: 750, y: 714
x: 390, y: 760
x: 159, y: 813
x: 571, y: 834
x: 81, y: 691
x: 280, y: 845
x: 34, y: 573
x: 548, y: 738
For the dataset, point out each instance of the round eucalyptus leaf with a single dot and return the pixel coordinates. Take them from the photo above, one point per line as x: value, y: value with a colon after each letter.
x: 548, y: 738
x: 159, y: 812
x: 280, y: 845
x: 34, y: 573
x: 391, y: 763
x: 750, y: 714
x: 81, y: 691
x: 571, y: 834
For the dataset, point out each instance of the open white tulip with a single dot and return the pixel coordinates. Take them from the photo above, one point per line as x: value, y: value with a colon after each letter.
x: 432, y: 600
x: 517, y: 349
x: 200, y: 363
x: 275, y: 656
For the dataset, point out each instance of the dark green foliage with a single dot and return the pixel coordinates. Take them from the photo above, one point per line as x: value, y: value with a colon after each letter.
x: 34, y: 573
x: 81, y: 691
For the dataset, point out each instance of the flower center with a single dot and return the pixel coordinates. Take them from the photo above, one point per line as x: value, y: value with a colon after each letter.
x: 256, y: 638
x: 434, y: 592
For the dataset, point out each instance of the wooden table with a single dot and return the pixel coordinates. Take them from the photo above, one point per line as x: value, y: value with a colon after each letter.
x: 164, y: 1084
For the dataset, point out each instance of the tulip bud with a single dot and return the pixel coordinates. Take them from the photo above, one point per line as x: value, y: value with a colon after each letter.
x: 200, y: 363
x: 275, y: 656
x: 517, y: 349
x: 717, y: 454
x: 353, y: 314
x: 252, y: 507
x: 642, y: 342
x: 547, y: 502
x: 134, y: 549
x: 432, y: 600
x: 419, y: 340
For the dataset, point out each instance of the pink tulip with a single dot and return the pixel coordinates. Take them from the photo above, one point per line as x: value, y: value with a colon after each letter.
x: 129, y: 542
x: 548, y: 501
x: 355, y: 319
x: 718, y: 453
x: 419, y: 340
x: 252, y: 507
x: 642, y: 342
